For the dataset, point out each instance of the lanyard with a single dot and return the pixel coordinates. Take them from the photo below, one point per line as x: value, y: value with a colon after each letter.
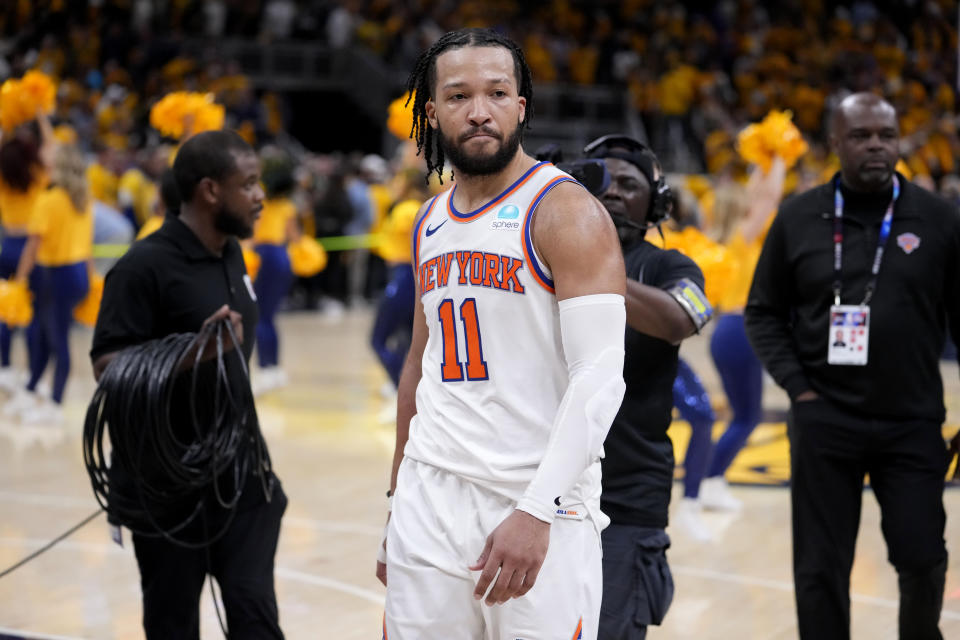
x: 838, y: 242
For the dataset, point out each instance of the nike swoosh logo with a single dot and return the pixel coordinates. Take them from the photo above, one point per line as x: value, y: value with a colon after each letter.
x: 430, y: 231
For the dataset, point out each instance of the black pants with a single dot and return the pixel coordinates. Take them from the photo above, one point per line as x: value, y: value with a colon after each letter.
x: 637, y: 583
x: 172, y: 578
x: 831, y: 452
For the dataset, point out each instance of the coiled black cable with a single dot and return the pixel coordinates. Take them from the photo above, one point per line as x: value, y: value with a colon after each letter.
x: 163, y: 477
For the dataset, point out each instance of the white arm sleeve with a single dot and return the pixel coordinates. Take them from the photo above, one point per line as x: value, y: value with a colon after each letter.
x: 592, y: 329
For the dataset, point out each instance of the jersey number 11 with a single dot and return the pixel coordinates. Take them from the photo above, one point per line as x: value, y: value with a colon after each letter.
x: 452, y: 369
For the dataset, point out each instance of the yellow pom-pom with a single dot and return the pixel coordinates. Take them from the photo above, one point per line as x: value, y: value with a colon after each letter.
x: 89, y: 308
x: 208, y: 115
x: 400, y: 117
x: 307, y: 257
x: 16, y: 303
x: 39, y: 91
x: 251, y: 259
x: 22, y: 99
x: 775, y: 135
x: 182, y: 112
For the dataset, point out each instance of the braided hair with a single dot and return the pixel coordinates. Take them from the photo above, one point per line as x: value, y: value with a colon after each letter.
x: 422, y: 80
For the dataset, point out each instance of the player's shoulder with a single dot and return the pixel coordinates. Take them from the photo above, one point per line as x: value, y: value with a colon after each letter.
x: 569, y: 205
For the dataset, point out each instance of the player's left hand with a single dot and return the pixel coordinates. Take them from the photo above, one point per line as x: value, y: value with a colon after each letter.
x: 517, y: 548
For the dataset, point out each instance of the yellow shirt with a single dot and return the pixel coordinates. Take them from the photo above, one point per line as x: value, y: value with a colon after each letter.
x: 381, y: 199
x: 397, y: 231
x: 103, y: 184
x: 271, y: 228
x: 152, y: 224
x: 745, y: 255
x: 16, y: 207
x: 136, y: 190
x: 66, y: 235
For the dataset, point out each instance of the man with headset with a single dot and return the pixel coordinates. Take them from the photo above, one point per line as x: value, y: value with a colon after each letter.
x: 665, y: 304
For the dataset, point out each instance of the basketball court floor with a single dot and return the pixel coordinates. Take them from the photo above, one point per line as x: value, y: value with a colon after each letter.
x: 331, y: 447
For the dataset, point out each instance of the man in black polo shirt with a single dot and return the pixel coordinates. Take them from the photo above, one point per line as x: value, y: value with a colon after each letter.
x: 188, y: 273
x: 876, y: 258
x: 665, y: 304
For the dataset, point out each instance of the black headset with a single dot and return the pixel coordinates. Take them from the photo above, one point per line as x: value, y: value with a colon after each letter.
x: 624, y: 147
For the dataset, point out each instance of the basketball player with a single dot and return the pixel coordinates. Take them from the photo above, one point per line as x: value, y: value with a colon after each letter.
x: 514, y: 374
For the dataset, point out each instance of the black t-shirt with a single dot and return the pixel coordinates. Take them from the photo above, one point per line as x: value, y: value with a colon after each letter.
x: 638, y: 466
x: 170, y: 283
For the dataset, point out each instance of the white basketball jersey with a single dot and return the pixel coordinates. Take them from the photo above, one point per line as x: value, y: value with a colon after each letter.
x: 494, y: 371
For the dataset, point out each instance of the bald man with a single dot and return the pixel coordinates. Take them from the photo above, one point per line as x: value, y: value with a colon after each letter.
x: 875, y: 259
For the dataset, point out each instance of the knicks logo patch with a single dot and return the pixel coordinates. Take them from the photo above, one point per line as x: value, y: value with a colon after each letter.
x: 908, y: 242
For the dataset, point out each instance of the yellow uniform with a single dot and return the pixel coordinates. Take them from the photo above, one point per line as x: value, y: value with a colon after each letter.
x: 137, y: 190
x: 396, y: 233
x: 16, y: 207
x: 271, y: 228
x: 103, y: 184
x: 152, y: 224
x: 745, y: 255
x: 66, y: 234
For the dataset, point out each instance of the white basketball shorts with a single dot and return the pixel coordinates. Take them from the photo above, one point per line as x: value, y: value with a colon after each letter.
x: 439, y: 526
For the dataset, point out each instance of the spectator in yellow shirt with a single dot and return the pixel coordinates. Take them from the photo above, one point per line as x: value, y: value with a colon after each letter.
x: 57, y: 260
x: 166, y: 203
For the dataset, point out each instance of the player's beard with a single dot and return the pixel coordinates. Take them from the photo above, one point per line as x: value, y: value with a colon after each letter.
x: 483, y: 164
x: 230, y: 223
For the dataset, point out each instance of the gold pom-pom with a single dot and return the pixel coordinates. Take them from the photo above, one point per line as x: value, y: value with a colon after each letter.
x: 307, y: 257
x: 22, y: 99
x: 89, y: 308
x: 16, y: 303
x: 251, y: 259
x: 775, y: 135
x: 39, y: 91
x: 400, y: 117
x: 182, y: 112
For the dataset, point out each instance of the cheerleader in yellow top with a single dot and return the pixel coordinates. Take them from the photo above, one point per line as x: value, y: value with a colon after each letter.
x: 166, y: 203
x: 393, y: 325
x: 57, y: 259
x: 741, y: 218
x: 276, y: 227
x: 24, y: 167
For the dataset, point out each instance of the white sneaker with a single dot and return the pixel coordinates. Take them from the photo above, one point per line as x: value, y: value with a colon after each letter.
x: 10, y: 379
x: 44, y: 413
x: 715, y: 495
x: 20, y: 402
x: 688, y: 518
x: 269, y: 379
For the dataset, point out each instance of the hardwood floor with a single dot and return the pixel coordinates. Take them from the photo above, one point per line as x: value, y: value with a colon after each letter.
x: 332, y: 451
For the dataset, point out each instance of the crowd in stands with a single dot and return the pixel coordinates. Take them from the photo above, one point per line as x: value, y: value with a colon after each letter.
x: 696, y: 72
